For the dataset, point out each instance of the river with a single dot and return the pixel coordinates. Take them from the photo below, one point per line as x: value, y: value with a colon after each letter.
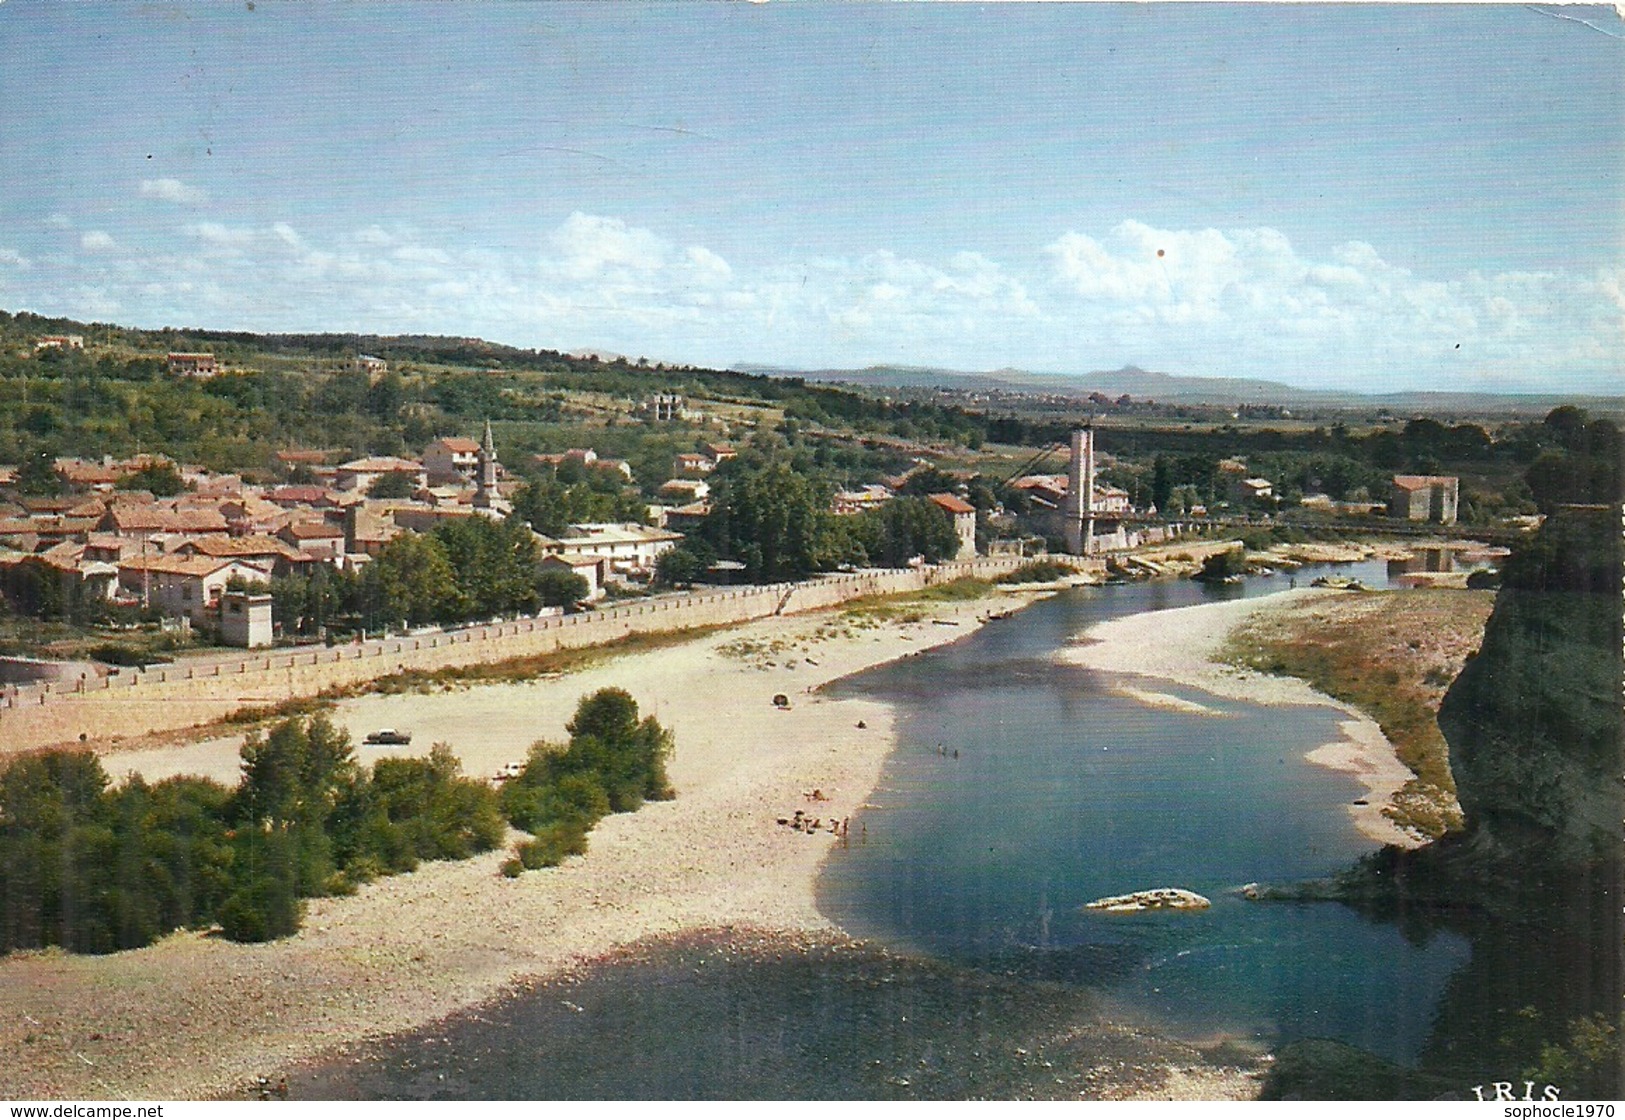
x: 1020, y: 790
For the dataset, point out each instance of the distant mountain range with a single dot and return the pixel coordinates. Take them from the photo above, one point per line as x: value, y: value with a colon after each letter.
x: 1178, y: 389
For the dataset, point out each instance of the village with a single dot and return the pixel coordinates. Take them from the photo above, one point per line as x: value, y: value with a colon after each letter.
x: 147, y: 539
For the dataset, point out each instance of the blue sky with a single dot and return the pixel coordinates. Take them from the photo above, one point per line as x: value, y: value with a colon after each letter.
x: 1376, y: 197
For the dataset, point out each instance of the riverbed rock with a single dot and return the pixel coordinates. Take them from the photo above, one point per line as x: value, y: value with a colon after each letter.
x: 1158, y: 898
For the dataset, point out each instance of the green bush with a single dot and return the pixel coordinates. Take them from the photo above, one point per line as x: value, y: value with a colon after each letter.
x: 550, y: 846
x: 613, y: 763
x: 1038, y: 571
x: 262, y: 910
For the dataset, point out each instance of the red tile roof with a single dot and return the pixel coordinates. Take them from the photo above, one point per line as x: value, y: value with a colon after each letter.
x: 952, y: 504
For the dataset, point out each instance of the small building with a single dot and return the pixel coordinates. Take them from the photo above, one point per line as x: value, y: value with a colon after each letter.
x: 189, y: 588
x: 580, y: 456
x: 368, y: 530
x: 271, y: 553
x: 369, y: 365
x: 310, y: 458
x: 320, y: 540
x: 301, y: 497
x: 692, y: 462
x: 60, y: 342
x: 149, y: 522
x: 245, y: 619
x: 82, y: 474
x: 684, y: 519
x: 630, y: 548
x: 1422, y: 497
x: 594, y: 569
x: 1047, y: 491
x: 1244, y: 491
x: 663, y: 407
x: 847, y: 502
x: 964, y: 515
x: 685, y: 491
x: 452, y: 461
x: 192, y: 364
x: 359, y: 474
x: 1111, y: 499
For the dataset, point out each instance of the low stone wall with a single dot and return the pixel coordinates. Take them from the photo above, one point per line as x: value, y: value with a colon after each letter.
x: 201, y: 690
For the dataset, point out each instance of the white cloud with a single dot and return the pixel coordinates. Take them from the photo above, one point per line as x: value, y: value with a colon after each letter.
x: 173, y: 190
x: 286, y: 234
x: 1235, y: 302
x: 222, y: 235
x: 422, y: 254
x: 589, y: 245
x: 1247, y: 302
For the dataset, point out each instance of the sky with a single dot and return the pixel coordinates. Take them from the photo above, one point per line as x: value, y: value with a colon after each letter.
x: 1369, y: 197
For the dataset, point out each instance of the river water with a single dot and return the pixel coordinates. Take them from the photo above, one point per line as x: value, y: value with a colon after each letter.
x: 1020, y: 790
x: 1023, y: 788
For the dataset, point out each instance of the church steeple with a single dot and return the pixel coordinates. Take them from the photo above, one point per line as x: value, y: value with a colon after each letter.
x: 486, y: 495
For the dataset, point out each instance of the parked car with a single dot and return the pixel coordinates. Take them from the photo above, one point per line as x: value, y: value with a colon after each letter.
x: 388, y: 737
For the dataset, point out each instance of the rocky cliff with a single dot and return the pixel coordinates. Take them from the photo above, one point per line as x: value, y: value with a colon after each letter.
x: 1535, y: 883
x: 1534, y: 720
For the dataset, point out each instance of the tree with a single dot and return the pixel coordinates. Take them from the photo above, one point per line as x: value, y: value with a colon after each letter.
x: 614, y: 762
x: 411, y: 582
x: 159, y: 478
x: 773, y: 519
x: 385, y: 397
x: 559, y: 588
x: 292, y: 780
x: 904, y: 528
x: 36, y: 474
x: 678, y: 567
x: 1586, y: 469
x: 1162, y: 483
x: 929, y: 480
x: 493, y: 564
x: 392, y: 484
x: 54, y: 827
x: 1222, y: 566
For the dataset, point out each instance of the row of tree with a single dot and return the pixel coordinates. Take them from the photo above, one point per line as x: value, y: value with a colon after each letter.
x: 96, y: 868
x: 776, y: 521
x: 466, y: 568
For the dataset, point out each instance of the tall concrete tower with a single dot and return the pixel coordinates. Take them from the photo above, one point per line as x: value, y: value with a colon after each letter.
x: 1080, y: 493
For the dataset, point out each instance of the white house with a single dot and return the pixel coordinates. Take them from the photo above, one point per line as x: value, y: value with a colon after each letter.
x: 185, y: 586
x: 629, y: 547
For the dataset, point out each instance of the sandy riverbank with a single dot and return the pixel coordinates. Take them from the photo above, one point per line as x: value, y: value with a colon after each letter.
x: 1183, y: 646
